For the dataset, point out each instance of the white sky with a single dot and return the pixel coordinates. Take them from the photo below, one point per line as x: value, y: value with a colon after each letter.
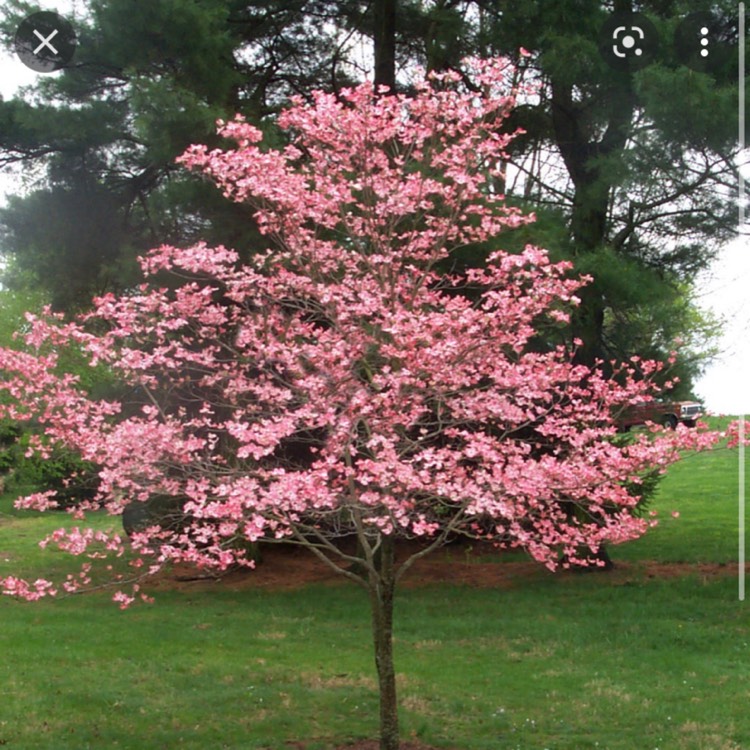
x: 725, y: 387
x: 726, y: 290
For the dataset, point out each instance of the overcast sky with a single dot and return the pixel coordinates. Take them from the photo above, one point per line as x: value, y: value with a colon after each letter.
x: 726, y: 384
x: 725, y: 289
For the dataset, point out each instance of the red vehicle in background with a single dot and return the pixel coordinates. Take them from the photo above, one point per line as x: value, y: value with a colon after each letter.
x: 667, y: 413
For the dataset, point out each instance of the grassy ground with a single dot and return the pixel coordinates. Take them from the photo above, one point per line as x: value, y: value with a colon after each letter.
x: 589, y: 661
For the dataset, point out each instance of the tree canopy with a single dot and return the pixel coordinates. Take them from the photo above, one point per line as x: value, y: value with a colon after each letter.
x: 630, y: 172
x: 339, y: 385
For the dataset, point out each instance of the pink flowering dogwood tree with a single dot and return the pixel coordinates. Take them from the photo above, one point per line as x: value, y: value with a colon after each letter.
x: 410, y: 397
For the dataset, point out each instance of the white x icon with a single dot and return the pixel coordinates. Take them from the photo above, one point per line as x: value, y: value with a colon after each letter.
x: 45, y: 42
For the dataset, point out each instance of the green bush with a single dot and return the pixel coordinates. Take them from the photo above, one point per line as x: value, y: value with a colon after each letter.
x: 72, y: 478
x: 9, y: 453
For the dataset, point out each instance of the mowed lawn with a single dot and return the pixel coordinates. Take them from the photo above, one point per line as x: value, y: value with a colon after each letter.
x: 634, y: 660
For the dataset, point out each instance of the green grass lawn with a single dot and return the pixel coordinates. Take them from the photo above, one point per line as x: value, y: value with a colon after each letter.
x: 703, y: 489
x: 564, y: 663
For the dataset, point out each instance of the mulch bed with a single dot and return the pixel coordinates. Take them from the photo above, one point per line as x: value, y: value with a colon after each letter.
x: 368, y: 745
x: 475, y: 565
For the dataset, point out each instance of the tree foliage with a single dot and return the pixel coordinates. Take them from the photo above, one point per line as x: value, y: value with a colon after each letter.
x: 640, y: 164
x: 147, y: 80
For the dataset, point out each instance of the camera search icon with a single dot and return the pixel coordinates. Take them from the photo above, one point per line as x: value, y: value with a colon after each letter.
x: 628, y: 41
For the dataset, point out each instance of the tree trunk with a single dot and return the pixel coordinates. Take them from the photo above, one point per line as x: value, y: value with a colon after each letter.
x: 384, y: 36
x: 582, y: 148
x: 381, y: 597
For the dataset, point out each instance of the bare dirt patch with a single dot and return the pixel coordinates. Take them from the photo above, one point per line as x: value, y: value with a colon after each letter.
x: 367, y: 745
x: 375, y: 745
x: 476, y: 566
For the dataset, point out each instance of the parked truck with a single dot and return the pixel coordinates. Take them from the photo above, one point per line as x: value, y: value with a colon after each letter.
x: 667, y: 413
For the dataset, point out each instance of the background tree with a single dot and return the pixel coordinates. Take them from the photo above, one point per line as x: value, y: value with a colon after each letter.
x: 638, y: 165
x: 435, y: 416
x: 630, y: 174
x: 101, y: 138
